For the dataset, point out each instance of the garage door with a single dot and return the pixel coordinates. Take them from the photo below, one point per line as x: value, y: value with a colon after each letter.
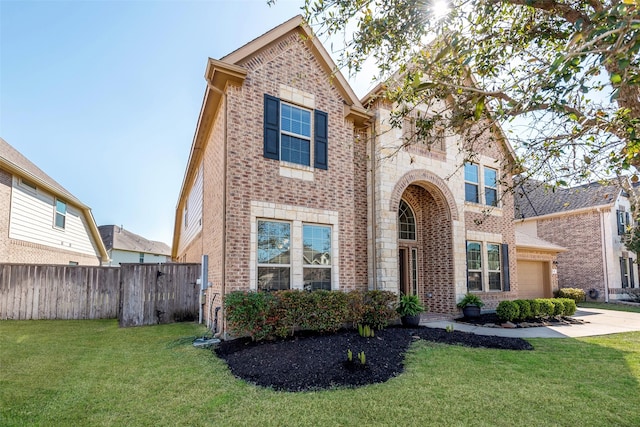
x: 531, y: 279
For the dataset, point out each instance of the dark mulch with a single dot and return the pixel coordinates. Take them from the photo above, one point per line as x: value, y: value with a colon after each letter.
x: 311, y: 361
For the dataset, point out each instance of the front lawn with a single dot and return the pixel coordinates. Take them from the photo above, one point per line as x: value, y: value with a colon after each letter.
x: 610, y: 306
x: 93, y: 373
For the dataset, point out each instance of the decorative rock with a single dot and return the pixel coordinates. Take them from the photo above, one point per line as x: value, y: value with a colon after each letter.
x: 509, y: 325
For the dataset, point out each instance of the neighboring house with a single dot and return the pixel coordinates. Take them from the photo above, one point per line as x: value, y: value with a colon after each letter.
x: 40, y: 221
x: 125, y: 247
x: 292, y: 184
x: 591, y: 221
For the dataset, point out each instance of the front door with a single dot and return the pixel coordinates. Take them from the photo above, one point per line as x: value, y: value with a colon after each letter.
x: 407, y: 270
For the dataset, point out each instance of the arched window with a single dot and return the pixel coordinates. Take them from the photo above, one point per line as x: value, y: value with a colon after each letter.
x: 406, y: 222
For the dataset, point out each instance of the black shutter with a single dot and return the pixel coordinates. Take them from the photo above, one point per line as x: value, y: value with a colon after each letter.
x: 320, y: 140
x: 271, y: 127
x: 632, y: 279
x: 506, y: 280
x: 620, y: 219
x: 627, y: 222
x: 623, y: 276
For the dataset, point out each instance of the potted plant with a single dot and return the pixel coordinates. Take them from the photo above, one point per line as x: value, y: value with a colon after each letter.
x: 470, y: 305
x: 409, y: 310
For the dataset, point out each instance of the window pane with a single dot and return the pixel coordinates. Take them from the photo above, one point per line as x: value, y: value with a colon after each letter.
x: 474, y: 256
x: 317, y: 278
x: 295, y: 150
x: 474, y: 281
x: 296, y: 120
x: 316, y: 241
x: 493, y: 256
x: 494, y: 281
x: 471, y: 193
x: 491, y: 197
x: 61, y: 207
x: 273, y: 242
x: 471, y: 172
x: 406, y: 222
x: 490, y: 177
x: 60, y: 220
x: 273, y: 278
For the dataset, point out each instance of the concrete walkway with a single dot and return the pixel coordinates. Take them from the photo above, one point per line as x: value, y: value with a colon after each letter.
x: 597, y: 322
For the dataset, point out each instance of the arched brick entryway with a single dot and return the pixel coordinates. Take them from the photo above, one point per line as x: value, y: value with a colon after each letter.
x: 426, y: 262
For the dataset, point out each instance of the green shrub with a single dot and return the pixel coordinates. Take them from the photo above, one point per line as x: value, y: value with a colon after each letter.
x: 534, y: 306
x: 577, y: 295
x: 329, y: 311
x: 558, y: 306
x: 507, y: 311
x: 546, y: 307
x: 249, y: 313
x: 524, y: 309
x: 379, y: 308
x: 262, y: 315
x: 570, y: 306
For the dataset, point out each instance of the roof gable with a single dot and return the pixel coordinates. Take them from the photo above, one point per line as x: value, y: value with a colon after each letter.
x: 19, y: 165
x: 297, y: 24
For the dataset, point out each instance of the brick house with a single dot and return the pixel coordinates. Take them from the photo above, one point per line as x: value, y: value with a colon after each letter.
x: 40, y: 221
x: 591, y: 221
x: 289, y: 184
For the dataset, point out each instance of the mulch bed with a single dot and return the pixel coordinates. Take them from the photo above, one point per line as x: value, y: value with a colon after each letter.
x: 313, y: 361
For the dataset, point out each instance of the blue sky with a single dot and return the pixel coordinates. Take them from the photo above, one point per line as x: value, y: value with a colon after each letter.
x: 104, y: 96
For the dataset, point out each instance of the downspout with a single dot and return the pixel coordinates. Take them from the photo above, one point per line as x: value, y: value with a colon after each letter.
x: 603, y: 237
x: 223, y: 329
x: 374, y: 252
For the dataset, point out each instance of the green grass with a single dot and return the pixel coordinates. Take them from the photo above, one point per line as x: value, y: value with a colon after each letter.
x: 610, y: 306
x: 90, y: 373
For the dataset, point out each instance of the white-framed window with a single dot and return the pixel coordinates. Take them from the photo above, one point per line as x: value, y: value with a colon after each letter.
x: 490, y: 187
x: 406, y: 222
x: 60, y: 214
x: 295, y: 138
x: 471, y: 183
x: 295, y: 134
x: 485, y: 266
x: 141, y: 257
x: 316, y: 249
x: 274, y: 255
x: 477, y: 177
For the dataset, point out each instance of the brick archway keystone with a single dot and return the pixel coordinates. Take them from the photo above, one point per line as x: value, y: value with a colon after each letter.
x: 430, y: 182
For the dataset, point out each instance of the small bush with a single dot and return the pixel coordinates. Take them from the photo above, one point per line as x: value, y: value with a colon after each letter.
x: 577, y: 295
x: 524, y: 307
x: 558, y: 306
x: 249, y: 313
x: 534, y: 306
x: 507, y: 311
x: 570, y: 306
x: 379, y: 308
x: 546, y: 307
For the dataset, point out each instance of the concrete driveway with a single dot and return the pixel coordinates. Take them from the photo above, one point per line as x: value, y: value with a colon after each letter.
x: 597, y: 322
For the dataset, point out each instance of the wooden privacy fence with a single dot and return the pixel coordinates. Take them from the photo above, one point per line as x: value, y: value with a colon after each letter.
x: 158, y: 294
x: 137, y: 294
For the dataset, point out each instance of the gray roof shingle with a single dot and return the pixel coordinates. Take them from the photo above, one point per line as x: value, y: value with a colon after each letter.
x: 29, y: 170
x: 532, y: 198
x: 115, y: 237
